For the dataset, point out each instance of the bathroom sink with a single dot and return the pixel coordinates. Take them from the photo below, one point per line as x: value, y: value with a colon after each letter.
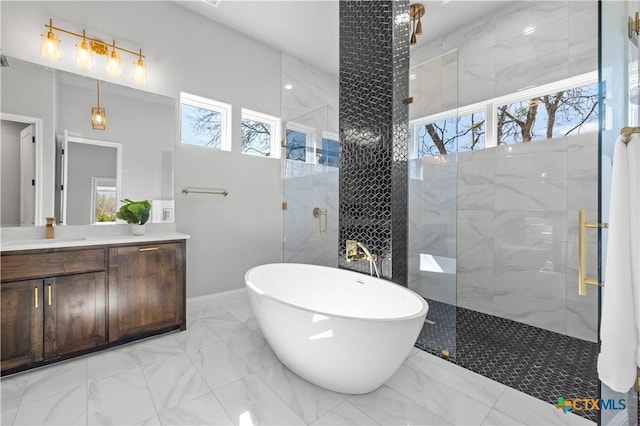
x: 41, y: 241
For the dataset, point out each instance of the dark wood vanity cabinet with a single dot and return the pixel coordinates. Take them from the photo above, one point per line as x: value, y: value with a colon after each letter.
x: 59, y: 303
x: 146, y: 289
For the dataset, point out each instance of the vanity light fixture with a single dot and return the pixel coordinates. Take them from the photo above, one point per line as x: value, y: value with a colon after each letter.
x: 416, y: 12
x: 98, y: 115
x: 87, y: 46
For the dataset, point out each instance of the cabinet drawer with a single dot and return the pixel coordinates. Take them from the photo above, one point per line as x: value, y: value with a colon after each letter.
x: 34, y: 265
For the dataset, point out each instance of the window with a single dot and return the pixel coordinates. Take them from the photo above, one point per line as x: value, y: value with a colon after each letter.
x: 554, y: 110
x: 548, y: 116
x: 298, y: 142
x: 260, y: 134
x: 104, y: 200
x: 328, y: 155
x: 455, y: 134
x: 205, y: 122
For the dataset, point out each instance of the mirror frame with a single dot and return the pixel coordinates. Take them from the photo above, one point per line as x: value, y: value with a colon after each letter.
x: 75, y: 139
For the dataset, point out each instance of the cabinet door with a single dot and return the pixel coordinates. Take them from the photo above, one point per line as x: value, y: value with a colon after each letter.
x: 21, y: 305
x: 74, y: 313
x: 146, y: 289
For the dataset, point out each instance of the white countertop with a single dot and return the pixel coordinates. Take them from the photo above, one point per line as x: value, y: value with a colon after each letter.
x: 43, y: 243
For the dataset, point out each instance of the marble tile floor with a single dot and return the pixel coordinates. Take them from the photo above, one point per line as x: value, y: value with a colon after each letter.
x: 222, y: 372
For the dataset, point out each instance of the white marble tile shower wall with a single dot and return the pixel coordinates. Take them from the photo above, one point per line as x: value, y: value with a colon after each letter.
x: 516, y: 252
x: 525, y: 44
x: 432, y: 228
x: 307, y: 186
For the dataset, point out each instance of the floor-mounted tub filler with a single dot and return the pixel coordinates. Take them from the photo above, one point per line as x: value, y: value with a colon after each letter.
x: 341, y: 330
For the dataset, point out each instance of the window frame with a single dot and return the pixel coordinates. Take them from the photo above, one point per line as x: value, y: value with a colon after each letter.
x: 490, y: 108
x: 312, y: 140
x: 274, y: 137
x: 222, y: 108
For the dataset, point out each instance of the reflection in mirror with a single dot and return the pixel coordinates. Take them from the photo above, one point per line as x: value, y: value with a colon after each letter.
x: 92, y: 171
x: 18, y: 156
x: 142, y: 123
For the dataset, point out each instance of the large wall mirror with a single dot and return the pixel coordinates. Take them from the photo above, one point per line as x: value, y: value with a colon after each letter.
x: 71, y: 168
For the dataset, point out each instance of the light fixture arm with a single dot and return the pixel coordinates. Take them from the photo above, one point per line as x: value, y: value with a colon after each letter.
x: 92, y: 40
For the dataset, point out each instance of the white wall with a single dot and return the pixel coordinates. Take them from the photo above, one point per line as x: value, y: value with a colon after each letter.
x: 186, y: 52
x: 10, y: 169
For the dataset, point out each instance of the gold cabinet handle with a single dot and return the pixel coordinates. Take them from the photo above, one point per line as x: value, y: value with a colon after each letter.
x: 35, y: 292
x: 583, y: 281
x: 148, y: 249
x: 49, y: 294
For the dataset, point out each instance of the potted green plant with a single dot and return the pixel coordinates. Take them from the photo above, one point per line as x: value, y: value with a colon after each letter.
x: 136, y: 214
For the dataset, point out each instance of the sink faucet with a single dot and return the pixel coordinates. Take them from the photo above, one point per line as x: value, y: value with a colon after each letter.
x: 352, y: 253
x: 49, y: 226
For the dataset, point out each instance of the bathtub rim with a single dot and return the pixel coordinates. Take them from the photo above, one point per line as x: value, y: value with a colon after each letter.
x: 423, y: 311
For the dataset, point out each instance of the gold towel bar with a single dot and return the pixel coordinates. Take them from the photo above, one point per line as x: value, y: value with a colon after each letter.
x: 626, y: 133
x: 198, y: 191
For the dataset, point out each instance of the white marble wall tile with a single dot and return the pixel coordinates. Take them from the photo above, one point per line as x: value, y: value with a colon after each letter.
x: 173, y: 381
x: 119, y: 399
x: 536, y: 146
x: 582, y: 161
x: 496, y: 418
x: 450, y: 404
x: 251, y: 401
x: 582, y: 323
x: 534, y: 166
x: 476, y: 167
x: 219, y: 365
x: 11, y: 390
x: 544, y: 287
x: 465, y: 381
x: 425, y: 52
x: 532, y: 411
x: 345, y: 414
x: 448, y: 289
x: 539, y: 256
x: 583, y: 23
x: 476, y: 298
x: 53, y: 379
x: 475, y: 197
x: 65, y: 408
x: 427, y: 285
x: 478, y: 35
x: 549, y: 315
x: 308, y: 401
x: 524, y: 228
x: 388, y: 407
x: 477, y: 76
x: 204, y: 410
x: 513, y: 21
x: 254, y: 350
x: 547, y: 195
x: 544, y: 69
x: 582, y: 194
x: 583, y: 57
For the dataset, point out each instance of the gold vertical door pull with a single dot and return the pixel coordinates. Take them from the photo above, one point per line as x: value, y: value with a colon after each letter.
x: 583, y: 281
x: 318, y: 213
x: 35, y: 292
x: 49, y: 294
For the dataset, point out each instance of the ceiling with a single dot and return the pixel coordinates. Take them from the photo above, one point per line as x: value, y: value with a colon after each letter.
x: 308, y: 29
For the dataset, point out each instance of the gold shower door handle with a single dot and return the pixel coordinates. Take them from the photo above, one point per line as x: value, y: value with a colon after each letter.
x: 583, y: 281
x: 35, y: 292
x: 318, y: 213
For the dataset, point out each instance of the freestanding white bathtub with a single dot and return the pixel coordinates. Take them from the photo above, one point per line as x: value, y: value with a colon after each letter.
x: 338, y: 329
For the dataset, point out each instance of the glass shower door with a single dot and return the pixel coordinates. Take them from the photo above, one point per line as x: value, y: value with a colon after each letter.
x: 310, y: 188
x: 619, y: 89
x: 433, y: 216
